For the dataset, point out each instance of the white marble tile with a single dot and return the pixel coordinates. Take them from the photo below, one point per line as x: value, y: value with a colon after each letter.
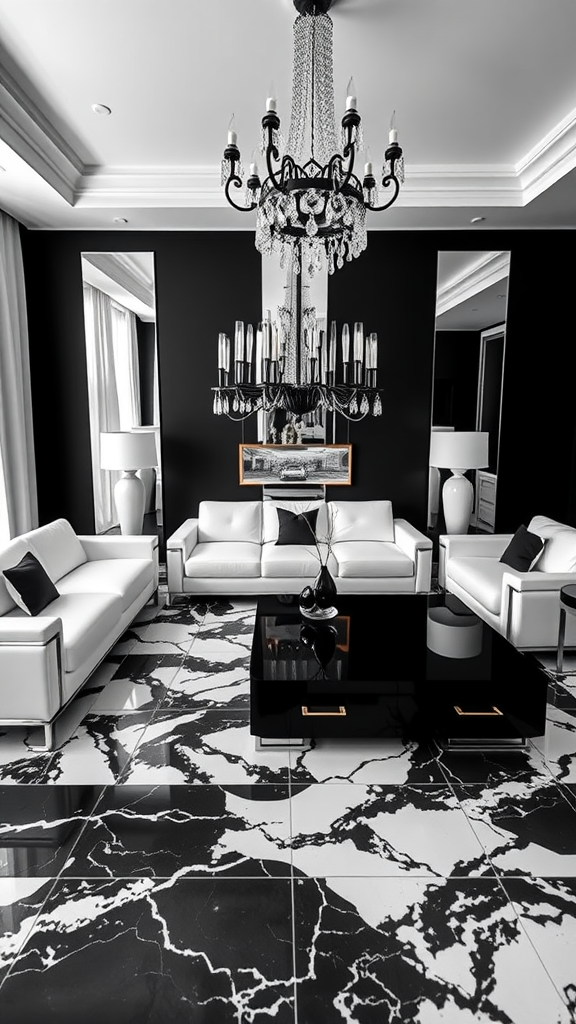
x: 524, y: 827
x: 366, y: 761
x: 382, y: 830
x: 558, y: 745
x: 201, y: 747
x: 140, y: 681
x: 209, y: 683
x: 547, y: 912
x: 98, y: 750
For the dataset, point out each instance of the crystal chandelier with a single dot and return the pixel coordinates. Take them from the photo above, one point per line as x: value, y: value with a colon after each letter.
x: 312, y: 204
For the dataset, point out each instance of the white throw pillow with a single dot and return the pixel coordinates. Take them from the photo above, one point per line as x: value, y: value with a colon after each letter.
x: 270, y: 516
x: 230, y: 521
x: 361, y: 520
x: 559, y: 553
x: 57, y: 547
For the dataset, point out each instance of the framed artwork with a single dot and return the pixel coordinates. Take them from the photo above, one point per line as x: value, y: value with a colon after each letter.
x: 295, y: 463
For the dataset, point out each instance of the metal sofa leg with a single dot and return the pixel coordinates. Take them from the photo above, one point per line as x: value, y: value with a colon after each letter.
x: 48, y: 739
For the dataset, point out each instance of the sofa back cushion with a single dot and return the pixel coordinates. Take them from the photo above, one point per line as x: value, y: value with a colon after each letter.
x: 361, y: 520
x: 559, y: 553
x: 270, y: 516
x: 230, y: 520
x: 10, y: 555
x: 58, y: 548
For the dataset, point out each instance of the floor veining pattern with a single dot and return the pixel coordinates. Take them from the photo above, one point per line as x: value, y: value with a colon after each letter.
x: 155, y: 867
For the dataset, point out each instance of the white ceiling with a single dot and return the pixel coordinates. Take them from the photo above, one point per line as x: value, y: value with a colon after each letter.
x: 484, y: 92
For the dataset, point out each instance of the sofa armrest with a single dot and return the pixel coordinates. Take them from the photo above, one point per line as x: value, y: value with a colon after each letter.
x: 418, y: 547
x: 478, y: 545
x: 117, y: 546
x: 526, y: 582
x: 178, y: 549
x: 36, y: 629
x: 184, y: 538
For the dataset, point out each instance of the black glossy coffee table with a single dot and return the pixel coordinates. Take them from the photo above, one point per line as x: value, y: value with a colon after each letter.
x: 417, y: 667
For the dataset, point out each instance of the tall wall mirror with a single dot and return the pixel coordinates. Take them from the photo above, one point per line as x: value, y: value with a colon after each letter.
x: 297, y: 304
x: 122, y: 368
x: 469, y: 344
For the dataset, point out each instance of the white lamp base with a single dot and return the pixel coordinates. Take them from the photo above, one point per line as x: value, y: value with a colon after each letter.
x: 130, y: 496
x: 457, y: 500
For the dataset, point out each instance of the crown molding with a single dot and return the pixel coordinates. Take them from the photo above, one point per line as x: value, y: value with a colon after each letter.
x: 493, y: 267
x: 32, y: 136
x: 552, y: 158
x: 123, y: 269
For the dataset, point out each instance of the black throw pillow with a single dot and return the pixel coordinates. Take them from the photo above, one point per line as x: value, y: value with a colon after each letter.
x: 296, y: 528
x: 523, y: 551
x: 30, y: 584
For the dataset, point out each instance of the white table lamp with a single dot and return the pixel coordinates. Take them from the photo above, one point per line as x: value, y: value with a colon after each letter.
x: 458, y: 450
x: 129, y: 452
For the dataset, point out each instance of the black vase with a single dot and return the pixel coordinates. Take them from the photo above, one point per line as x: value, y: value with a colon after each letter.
x: 324, y: 589
x: 324, y: 644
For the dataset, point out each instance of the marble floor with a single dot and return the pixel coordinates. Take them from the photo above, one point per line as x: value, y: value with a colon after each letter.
x: 155, y: 867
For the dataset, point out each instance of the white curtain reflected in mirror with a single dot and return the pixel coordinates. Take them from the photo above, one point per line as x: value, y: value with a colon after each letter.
x: 470, y: 333
x: 122, y: 368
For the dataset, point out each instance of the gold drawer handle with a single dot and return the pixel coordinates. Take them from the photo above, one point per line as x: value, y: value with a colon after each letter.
x: 479, y: 714
x: 324, y: 714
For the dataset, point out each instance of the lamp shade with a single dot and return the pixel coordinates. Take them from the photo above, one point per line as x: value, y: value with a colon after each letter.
x: 459, y: 449
x: 122, y: 449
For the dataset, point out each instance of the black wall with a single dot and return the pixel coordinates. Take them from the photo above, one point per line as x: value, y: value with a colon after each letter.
x: 204, y: 281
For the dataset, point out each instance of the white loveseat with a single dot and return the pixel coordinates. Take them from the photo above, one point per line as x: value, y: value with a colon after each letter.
x: 231, y: 548
x: 103, y: 581
x: 523, y: 606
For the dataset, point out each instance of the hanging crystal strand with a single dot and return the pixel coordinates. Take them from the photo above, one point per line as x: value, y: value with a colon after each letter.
x: 301, y: 87
x: 324, y: 126
x: 398, y: 169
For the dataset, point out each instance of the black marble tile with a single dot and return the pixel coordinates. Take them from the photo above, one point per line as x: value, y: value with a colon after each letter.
x: 378, y: 761
x: 99, y: 749
x: 21, y: 900
x: 160, y: 831
x: 39, y: 825
x: 371, y: 950
x: 211, y: 952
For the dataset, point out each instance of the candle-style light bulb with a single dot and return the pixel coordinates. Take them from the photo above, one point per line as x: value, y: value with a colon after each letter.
x: 332, y: 351
x: 345, y: 344
x: 368, y: 165
x: 351, y: 101
x: 232, y: 134
x: 254, y: 163
x: 393, y: 133
x: 249, y: 343
x: 271, y: 98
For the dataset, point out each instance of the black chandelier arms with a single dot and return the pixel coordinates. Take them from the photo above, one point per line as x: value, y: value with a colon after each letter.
x: 336, y: 177
x: 354, y: 402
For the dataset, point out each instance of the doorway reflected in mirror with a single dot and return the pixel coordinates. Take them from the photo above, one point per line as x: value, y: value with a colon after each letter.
x: 469, y: 345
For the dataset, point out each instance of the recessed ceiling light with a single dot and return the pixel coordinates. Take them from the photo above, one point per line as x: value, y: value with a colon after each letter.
x: 101, y: 108
x: 474, y: 309
x: 476, y: 220
x: 120, y: 220
x: 501, y: 296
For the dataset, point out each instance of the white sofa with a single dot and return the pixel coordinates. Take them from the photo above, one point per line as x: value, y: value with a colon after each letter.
x: 523, y: 606
x: 231, y: 548
x: 103, y: 581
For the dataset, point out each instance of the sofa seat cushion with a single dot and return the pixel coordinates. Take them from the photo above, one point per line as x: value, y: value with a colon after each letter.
x: 290, y: 561
x: 371, y: 559
x: 57, y: 547
x: 234, y: 521
x: 125, y: 577
x: 481, y: 578
x: 87, y: 620
x: 227, y: 560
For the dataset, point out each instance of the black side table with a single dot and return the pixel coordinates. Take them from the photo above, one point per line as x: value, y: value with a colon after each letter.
x: 567, y: 604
